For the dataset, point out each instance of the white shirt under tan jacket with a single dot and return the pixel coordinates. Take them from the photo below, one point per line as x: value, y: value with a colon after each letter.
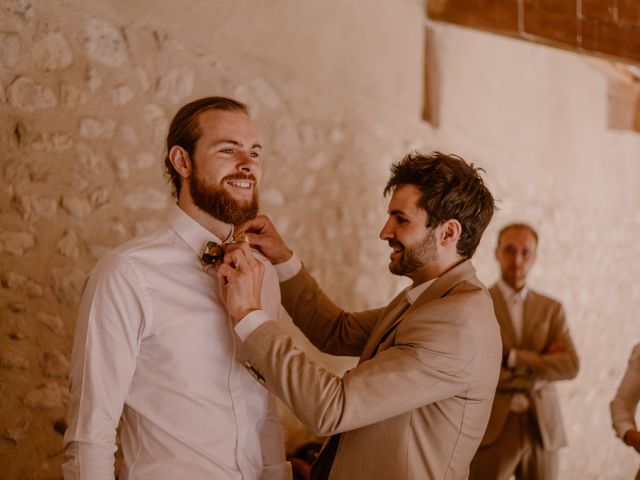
x: 154, y: 344
x: 417, y: 404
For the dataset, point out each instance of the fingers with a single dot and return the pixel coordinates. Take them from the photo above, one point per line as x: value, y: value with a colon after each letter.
x: 556, y: 346
x: 224, y: 272
x: 236, y: 268
x: 240, y: 277
x: 260, y: 228
x: 264, y: 237
x: 235, y: 260
x: 239, y: 254
x: 255, y: 225
x: 240, y: 263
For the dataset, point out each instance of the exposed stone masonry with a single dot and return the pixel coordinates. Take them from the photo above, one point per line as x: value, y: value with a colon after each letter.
x: 84, y: 109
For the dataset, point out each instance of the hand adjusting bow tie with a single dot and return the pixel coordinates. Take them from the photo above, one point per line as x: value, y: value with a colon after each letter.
x: 214, y: 253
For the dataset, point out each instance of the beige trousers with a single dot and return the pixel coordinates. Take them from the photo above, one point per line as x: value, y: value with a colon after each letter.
x: 517, y: 451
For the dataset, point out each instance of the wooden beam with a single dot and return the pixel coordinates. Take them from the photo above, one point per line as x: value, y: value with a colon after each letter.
x: 430, y: 104
x: 604, y: 28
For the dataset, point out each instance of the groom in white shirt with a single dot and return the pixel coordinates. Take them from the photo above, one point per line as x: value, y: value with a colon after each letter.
x: 154, y: 346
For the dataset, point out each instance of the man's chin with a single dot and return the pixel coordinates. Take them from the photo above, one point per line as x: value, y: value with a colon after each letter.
x: 396, y: 268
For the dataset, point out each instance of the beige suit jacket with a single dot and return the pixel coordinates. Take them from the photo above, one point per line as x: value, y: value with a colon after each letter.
x: 535, y: 371
x: 417, y: 404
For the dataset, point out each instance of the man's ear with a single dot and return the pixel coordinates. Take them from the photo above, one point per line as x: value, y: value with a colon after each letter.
x: 450, y: 232
x: 180, y: 160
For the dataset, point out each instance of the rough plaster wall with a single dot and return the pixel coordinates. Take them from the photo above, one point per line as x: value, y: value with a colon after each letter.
x: 87, y: 89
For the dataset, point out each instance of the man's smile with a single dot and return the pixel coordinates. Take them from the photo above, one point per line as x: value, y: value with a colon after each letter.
x: 396, y: 249
x: 244, y: 184
x: 240, y: 185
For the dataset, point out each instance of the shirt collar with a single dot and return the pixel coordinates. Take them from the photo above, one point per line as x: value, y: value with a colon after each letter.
x: 510, y: 294
x: 412, y: 294
x: 193, y: 234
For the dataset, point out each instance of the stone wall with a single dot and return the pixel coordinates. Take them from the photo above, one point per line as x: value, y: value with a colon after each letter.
x: 87, y: 89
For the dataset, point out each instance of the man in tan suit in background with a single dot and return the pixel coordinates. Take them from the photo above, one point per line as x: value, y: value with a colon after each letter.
x: 417, y: 404
x: 525, y: 430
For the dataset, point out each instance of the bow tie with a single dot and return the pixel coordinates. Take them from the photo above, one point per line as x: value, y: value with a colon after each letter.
x: 214, y: 252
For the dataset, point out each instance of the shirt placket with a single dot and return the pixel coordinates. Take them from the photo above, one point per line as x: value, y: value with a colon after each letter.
x: 236, y: 390
x: 519, y: 401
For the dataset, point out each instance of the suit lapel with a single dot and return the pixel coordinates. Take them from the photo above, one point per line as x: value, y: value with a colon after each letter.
x: 398, y: 307
x: 392, y: 313
x: 504, y: 317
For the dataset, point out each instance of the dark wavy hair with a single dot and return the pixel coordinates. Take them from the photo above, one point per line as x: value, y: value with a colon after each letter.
x: 451, y: 189
x: 184, y: 130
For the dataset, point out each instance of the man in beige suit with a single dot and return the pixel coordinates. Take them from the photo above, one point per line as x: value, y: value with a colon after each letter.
x: 525, y: 430
x: 417, y: 404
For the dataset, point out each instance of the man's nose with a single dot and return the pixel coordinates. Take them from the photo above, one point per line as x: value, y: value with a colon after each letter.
x: 246, y: 163
x: 385, y: 233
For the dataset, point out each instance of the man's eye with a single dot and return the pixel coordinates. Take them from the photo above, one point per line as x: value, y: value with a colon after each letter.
x: 227, y: 151
x: 255, y: 154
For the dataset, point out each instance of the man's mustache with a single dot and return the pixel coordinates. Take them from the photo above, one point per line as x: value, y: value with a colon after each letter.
x: 240, y: 176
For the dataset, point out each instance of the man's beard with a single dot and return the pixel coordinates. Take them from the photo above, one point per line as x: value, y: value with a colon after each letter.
x: 416, y: 256
x: 218, y: 203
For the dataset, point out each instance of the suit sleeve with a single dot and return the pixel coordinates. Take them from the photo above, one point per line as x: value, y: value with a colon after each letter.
x: 511, y: 381
x: 110, y: 321
x: 561, y: 365
x: 425, y: 364
x: 327, y: 326
x: 624, y: 403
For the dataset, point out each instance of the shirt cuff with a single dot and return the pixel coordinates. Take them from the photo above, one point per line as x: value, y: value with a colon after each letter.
x: 250, y: 322
x: 511, y: 360
x: 288, y: 269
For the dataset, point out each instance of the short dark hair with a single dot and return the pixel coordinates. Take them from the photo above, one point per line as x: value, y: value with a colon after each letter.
x: 184, y: 130
x: 518, y: 225
x: 451, y: 189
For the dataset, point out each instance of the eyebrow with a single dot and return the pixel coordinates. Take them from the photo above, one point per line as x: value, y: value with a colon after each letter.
x: 239, y: 144
x: 396, y: 212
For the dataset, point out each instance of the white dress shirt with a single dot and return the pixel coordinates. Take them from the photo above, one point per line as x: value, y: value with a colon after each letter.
x: 623, y: 406
x: 515, y: 303
x: 154, y: 346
